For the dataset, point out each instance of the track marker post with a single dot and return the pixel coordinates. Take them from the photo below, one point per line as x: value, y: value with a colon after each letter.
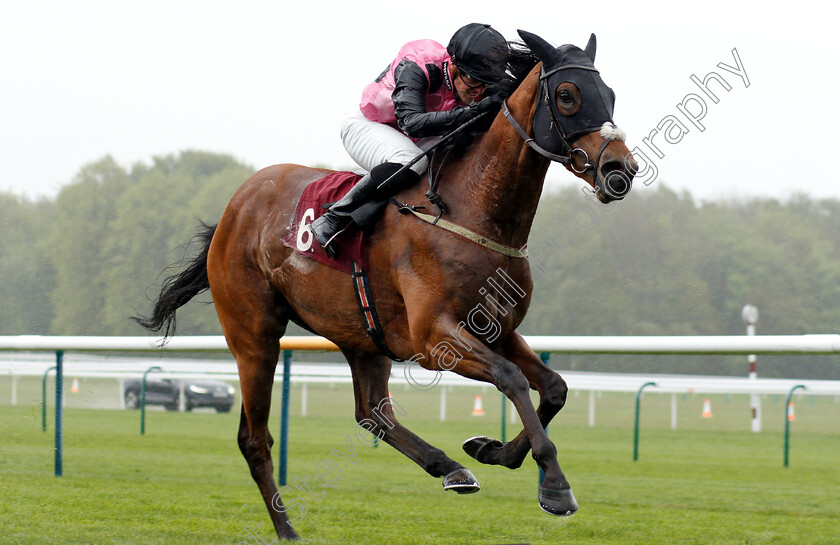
x: 636, y: 426
x: 787, y: 420
x: 143, y: 398
x: 44, y: 398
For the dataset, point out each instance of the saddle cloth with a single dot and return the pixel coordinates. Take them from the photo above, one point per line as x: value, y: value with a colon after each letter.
x: 351, y: 242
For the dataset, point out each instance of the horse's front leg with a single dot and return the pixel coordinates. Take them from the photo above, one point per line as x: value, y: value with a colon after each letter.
x: 552, y: 389
x: 481, y: 363
x: 375, y: 412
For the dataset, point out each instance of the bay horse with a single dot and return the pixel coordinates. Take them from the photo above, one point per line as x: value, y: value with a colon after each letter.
x: 428, y: 283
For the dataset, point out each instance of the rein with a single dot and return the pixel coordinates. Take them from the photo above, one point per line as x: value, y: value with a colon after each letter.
x: 430, y: 149
x: 568, y: 160
x: 564, y: 159
x: 435, y: 199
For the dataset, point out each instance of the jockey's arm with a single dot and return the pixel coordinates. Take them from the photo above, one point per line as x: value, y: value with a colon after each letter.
x: 409, y: 98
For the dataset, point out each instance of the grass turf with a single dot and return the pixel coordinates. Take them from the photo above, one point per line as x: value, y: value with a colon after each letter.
x: 710, y: 481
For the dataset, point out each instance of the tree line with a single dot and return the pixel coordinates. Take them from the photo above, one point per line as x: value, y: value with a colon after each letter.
x: 658, y: 263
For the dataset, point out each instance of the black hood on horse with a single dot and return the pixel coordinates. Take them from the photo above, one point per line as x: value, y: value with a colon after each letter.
x: 569, y: 63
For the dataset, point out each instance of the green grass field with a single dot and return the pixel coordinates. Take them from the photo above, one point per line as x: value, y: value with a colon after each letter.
x: 710, y: 481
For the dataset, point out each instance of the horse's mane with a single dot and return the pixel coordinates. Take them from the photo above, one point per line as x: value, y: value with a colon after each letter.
x: 519, y: 60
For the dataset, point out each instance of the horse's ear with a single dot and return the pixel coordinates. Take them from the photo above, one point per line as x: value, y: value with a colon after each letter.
x: 590, y: 47
x: 541, y: 48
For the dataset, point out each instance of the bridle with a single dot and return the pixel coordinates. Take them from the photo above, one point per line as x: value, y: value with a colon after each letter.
x: 558, y: 132
x: 567, y: 159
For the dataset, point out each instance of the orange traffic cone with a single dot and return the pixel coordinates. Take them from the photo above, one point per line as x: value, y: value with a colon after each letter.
x: 478, y: 410
x: 75, y: 387
x: 791, y: 416
x: 707, y: 408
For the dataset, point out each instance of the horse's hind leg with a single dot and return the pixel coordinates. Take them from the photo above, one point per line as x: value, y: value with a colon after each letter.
x: 256, y: 364
x: 253, y: 319
x: 256, y: 377
x: 552, y: 389
x: 375, y: 412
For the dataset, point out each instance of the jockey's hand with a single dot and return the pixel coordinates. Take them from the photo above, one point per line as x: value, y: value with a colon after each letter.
x: 491, y: 104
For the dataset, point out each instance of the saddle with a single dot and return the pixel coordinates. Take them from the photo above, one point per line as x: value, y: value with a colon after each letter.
x: 352, y: 258
x: 314, y: 201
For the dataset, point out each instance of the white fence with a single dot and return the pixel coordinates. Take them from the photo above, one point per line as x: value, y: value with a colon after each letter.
x: 798, y: 344
x: 120, y: 368
x: 27, y: 364
x: 703, y: 344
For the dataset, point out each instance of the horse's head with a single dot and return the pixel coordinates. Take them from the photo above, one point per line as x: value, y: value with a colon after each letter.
x: 573, y: 120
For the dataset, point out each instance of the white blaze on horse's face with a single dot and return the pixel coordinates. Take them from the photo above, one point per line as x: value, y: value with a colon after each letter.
x: 609, y: 131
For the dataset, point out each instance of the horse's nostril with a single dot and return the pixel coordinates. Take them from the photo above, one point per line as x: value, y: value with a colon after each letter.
x: 616, y: 179
x: 626, y: 167
x: 611, y: 166
x: 618, y: 184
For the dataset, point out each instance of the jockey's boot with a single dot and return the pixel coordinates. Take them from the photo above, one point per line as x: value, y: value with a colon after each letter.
x: 327, y: 227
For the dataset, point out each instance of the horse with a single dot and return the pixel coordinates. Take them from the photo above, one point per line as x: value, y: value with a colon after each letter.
x: 428, y: 283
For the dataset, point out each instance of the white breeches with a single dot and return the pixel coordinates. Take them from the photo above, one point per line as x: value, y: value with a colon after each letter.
x: 370, y: 143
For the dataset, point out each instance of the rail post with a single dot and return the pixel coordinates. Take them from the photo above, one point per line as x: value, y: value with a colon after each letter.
x: 143, y: 398
x: 284, y: 417
x: 59, y: 413
x: 787, y: 420
x: 636, y: 425
x: 504, y: 415
x: 544, y: 357
x: 44, y: 399
x: 750, y: 315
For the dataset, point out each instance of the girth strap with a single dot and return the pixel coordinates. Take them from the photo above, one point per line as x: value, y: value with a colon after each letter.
x: 361, y: 286
x: 481, y: 240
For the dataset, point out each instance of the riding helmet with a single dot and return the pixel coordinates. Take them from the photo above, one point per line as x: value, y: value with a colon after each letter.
x: 476, y: 49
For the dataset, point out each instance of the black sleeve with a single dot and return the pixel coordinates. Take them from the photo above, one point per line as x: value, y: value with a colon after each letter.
x: 409, y: 98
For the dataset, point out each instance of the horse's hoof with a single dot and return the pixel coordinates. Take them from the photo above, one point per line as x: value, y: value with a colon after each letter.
x: 289, y: 535
x: 558, y: 502
x: 484, y: 449
x: 461, y: 481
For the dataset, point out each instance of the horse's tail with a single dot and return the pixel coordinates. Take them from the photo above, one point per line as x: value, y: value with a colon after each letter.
x: 179, y: 288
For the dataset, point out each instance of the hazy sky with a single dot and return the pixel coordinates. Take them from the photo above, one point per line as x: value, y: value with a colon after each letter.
x: 270, y: 82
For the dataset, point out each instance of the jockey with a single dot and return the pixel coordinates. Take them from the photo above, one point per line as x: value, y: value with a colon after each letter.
x: 425, y: 93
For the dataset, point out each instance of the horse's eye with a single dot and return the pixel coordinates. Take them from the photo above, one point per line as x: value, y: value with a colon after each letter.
x: 565, y: 97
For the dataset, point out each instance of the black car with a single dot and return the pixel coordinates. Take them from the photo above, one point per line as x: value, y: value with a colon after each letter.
x: 166, y: 392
